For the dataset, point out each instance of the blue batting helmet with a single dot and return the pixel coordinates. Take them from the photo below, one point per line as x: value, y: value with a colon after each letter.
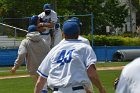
x: 75, y: 19
x: 33, y: 20
x: 47, y: 6
x: 32, y: 28
x: 70, y: 28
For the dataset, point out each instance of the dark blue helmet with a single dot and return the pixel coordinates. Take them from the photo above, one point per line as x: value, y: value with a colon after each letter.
x: 32, y: 28
x: 47, y: 6
x: 75, y: 19
x: 33, y: 20
x: 70, y: 28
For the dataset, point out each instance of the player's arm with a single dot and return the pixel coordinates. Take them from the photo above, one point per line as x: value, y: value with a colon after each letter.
x: 49, y: 25
x: 40, y: 84
x: 20, y: 58
x: 92, y: 74
x: 17, y: 63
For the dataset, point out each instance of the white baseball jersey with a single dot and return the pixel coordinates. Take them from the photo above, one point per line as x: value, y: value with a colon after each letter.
x: 130, y: 78
x: 67, y: 63
x: 52, y: 17
x: 57, y: 36
x: 84, y: 40
x: 57, y: 32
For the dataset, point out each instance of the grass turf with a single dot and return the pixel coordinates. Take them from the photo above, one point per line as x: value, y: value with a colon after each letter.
x: 26, y: 85
x: 18, y: 85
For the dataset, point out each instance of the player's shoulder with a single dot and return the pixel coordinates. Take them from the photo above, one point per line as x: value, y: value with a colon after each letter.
x: 53, y: 11
x: 24, y: 42
x: 58, y: 45
x: 41, y: 14
x: 86, y: 46
x: 25, y: 39
x: 81, y: 37
x: 85, y: 40
x: 134, y: 63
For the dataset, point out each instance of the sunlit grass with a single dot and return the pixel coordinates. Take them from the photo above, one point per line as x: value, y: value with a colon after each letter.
x: 26, y: 85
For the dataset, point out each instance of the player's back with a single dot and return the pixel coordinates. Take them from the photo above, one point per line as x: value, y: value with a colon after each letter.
x: 68, y: 62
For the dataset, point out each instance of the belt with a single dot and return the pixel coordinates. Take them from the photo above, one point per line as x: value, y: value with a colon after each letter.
x: 73, y: 88
x: 44, y: 33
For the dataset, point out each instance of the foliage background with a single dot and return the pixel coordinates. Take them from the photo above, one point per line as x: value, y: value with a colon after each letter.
x: 103, y: 40
x: 26, y: 85
x: 106, y: 12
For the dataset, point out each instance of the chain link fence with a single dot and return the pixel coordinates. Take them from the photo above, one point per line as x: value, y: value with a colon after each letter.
x: 13, y: 30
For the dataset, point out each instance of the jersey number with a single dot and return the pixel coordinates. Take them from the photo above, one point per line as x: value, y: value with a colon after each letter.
x: 65, y: 57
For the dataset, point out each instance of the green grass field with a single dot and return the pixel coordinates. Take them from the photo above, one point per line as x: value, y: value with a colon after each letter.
x: 26, y: 85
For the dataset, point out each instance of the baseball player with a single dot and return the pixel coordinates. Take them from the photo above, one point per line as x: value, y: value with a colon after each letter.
x: 84, y: 40
x: 75, y: 19
x: 57, y: 34
x: 34, y: 20
x: 50, y: 20
x: 129, y: 80
x: 70, y: 66
x: 32, y: 50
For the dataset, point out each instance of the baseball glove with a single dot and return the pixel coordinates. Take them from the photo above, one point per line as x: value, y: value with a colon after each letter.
x: 116, y: 82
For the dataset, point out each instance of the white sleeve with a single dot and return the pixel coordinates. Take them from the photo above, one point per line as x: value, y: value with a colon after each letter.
x: 123, y: 86
x: 90, y: 56
x: 44, y: 67
x: 54, y: 17
x: 41, y: 15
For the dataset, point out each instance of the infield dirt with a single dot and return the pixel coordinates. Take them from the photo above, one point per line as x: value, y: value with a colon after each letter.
x: 99, y: 68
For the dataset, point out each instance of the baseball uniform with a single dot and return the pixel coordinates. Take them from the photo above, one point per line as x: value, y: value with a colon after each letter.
x: 84, y: 40
x: 70, y: 66
x: 129, y: 81
x: 52, y: 17
x: 57, y: 35
x: 66, y: 67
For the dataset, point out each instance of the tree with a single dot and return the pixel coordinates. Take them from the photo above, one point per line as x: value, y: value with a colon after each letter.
x: 20, y: 8
x: 136, y: 4
x: 106, y: 12
x: 112, y: 14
